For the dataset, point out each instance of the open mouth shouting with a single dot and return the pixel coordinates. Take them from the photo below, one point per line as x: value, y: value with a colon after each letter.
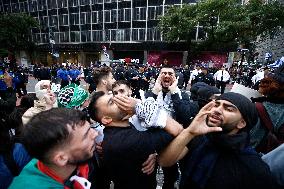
x: 167, y: 82
x: 214, y: 120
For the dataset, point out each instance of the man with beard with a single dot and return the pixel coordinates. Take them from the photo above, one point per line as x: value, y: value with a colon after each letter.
x: 177, y: 105
x: 62, y: 143
x: 124, y: 147
x: 171, y: 98
x: 224, y: 159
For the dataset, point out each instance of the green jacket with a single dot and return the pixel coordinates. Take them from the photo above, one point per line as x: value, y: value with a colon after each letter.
x: 31, y: 177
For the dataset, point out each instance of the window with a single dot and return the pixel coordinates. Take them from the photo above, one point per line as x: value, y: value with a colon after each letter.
x: 107, y: 16
x: 159, y: 11
x: 73, y: 3
x: 135, y: 34
x: 85, y: 36
x: 112, y: 35
x: 100, y: 18
x: 24, y: 7
x: 63, y: 19
x: 51, y: 4
x: 127, y: 14
x: 124, y: 15
x: 95, y: 17
x: 75, y: 36
x: 15, y: 7
x: 53, y: 20
x: 141, y: 34
x: 88, y: 17
x: 56, y: 37
x: 74, y: 19
x: 41, y: 5
x: 44, y: 22
x: 151, y: 13
x: 64, y: 36
x: 62, y: 3
x: 44, y: 38
x: 153, y: 34
x: 97, y: 35
x: 113, y: 15
x: 83, y: 18
x: 33, y: 6
x: 140, y: 13
x: 84, y: 2
x: 97, y: 2
x: 123, y: 35
x: 154, y: 12
x: 107, y: 35
x: 138, y: 34
x: 36, y: 38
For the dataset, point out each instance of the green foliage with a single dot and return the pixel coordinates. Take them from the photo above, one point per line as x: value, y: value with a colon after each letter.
x: 15, y: 31
x: 226, y: 22
x: 179, y: 23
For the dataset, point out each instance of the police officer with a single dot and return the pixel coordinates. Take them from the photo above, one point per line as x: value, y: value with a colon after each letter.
x: 62, y: 73
x: 205, y: 77
x: 119, y: 72
x: 90, y: 80
x: 21, y: 81
x: 132, y: 76
x: 74, y: 74
x: 186, y: 75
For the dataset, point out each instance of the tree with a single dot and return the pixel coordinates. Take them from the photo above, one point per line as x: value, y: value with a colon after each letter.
x: 15, y: 32
x: 227, y: 23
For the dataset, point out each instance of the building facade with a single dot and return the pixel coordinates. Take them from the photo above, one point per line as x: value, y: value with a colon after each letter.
x: 76, y: 30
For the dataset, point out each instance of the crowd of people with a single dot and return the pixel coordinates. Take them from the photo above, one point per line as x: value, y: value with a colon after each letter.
x: 132, y: 120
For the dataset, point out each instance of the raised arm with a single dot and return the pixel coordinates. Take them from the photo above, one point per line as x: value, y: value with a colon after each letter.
x: 177, y: 148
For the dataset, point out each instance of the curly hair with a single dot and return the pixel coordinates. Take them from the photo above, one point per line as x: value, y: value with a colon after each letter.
x: 270, y: 87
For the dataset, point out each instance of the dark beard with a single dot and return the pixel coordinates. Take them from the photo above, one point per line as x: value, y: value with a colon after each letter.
x: 78, y: 161
x: 226, y: 128
x: 165, y: 89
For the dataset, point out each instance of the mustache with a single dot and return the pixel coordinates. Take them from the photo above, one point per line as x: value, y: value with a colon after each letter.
x: 216, y: 114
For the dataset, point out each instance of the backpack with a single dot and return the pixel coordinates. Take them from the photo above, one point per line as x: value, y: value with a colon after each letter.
x: 274, y: 138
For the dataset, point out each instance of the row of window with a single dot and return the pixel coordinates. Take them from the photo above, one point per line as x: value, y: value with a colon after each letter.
x: 138, y: 34
x: 96, y: 17
x: 39, y: 5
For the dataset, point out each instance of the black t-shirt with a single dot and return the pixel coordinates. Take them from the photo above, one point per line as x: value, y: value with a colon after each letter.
x: 125, y: 149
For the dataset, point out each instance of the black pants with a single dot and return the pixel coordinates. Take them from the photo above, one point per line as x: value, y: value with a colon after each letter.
x: 186, y: 82
x: 222, y: 85
x: 170, y: 176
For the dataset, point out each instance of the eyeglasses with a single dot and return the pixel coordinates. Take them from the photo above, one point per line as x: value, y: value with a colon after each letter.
x: 169, y: 73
